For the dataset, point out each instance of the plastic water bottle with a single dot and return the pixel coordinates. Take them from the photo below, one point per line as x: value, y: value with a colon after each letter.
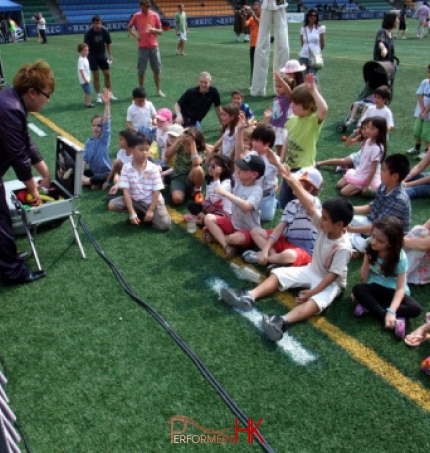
x: 245, y: 273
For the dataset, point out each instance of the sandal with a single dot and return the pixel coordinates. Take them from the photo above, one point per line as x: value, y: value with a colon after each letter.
x: 230, y: 252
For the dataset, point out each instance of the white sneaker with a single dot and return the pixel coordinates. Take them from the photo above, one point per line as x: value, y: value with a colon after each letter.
x: 160, y: 94
x: 348, y: 122
x: 421, y: 155
x: 99, y: 98
x: 404, y: 37
x: 412, y: 150
x: 113, y: 98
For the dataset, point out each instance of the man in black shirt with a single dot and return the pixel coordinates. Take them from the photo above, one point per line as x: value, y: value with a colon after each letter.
x: 196, y: 102
x: 97, y: 37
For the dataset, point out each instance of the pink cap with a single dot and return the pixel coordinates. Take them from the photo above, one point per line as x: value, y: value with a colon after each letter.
x: 164, y: 114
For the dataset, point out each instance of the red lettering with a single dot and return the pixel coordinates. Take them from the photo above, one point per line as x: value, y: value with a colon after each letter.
x: 251, y: 429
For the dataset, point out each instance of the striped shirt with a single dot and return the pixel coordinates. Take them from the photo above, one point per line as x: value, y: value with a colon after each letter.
x: 395, y: 203
x: 141, y: 185
x: 299, y: 230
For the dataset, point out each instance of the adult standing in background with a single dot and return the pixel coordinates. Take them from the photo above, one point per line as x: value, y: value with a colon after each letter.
x: 145, y: 25
x: 423, y: 14
x: 272, y: 13
x: 181, y: 28
x: 32, y: 87
x: 253, y: 23
x: 312, y: 35
x: 41, y: 27
x: 192, y: 107
x: 99, y: 41
x: 384, y: 42
x: 402, y: 23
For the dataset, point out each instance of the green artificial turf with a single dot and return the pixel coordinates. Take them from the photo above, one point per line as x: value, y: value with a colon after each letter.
x: 91, y: 371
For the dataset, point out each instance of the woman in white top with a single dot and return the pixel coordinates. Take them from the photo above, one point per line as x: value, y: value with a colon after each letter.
x: 311, y: 35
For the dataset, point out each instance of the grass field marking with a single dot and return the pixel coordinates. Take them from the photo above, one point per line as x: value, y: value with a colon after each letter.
x: 36, y: 130
x: 362, y: 354
x: 57, y: 129
x: 292, y: 347
x: 369, y: 358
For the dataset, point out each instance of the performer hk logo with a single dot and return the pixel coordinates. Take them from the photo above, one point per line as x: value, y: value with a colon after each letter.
x: 211, y: 436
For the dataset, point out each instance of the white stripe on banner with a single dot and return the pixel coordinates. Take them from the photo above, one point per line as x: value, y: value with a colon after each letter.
x: 36, y: 130
x: 292, y: 347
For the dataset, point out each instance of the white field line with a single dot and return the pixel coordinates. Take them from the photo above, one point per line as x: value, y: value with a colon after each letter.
x: 292, y: 347
x: 36, y: 130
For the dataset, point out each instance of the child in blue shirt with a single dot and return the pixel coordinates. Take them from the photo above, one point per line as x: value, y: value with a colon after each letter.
x: 97, y: 164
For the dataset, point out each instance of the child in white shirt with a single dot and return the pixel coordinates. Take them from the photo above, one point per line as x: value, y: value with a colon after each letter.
x: 84, y: 73
x: 141, y: 113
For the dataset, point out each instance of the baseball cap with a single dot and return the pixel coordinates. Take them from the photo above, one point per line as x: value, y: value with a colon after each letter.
x: 312, y: 176
x: 293, y: 66
x: 252, y: 163
x: 164, y: 114
x: 176, y: 130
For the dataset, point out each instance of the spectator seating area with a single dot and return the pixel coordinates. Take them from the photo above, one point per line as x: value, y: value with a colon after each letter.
x: 330, y: 5
x: 31, y: 7
x: 81, y: 11
x: 196, y: 8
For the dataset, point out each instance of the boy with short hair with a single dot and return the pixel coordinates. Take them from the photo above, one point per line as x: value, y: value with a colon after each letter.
x: 391, y: 199
x: 262, y: 141
x: 235, y: 232
x: 238, y: 99
x: 292, y: 241
x: 324, y: 278
x: 381, y: 95
x: 141, y: 186
x: 141, y: 113
x: 96, y: 150
x: 84, y: 73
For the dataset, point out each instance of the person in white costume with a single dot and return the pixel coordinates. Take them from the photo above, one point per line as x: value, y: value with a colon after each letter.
x: 272, y: 13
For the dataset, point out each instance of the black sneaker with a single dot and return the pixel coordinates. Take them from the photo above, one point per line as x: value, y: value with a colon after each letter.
x: 237, y: 298
x: 274, y: 327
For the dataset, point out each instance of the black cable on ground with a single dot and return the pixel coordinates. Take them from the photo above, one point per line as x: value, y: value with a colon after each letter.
x: 17, y: 425
x: 237, y: 411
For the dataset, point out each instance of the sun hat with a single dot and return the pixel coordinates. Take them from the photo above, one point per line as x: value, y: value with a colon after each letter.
x: 293, y: 66
x: 312, y: 176
x: 164, y: 114
x: 176, y: 130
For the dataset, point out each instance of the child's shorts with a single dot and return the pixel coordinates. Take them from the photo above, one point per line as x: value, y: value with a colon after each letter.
x: 351, y: 178
x: 227, y: 228
x: 281, y: 133
x: 303, y: 257
x: 422, y: 130
x: 182, y: 36
x: 181, y: 183
x: 304, y: 277
x: 87, y: 88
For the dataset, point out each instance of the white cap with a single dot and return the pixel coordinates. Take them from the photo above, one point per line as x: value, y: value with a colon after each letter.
x: 293, y: 66
x: 310, y: 175
x: 176, y: 130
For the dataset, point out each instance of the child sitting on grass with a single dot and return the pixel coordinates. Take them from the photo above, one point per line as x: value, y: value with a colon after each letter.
x: 219, y: 174
x: 292, y: 240
x: 391, y: 199
x: 188, y: 174
x: 300, y: 147
x: 235, y: 232
x: 383, y: 290
x: 141, y: 113
x: 141, y: 186
x: 367, y: 176
x: 123, y: 157
x: 344, y: 163
x: 324, y: 278
x: 96, y: 150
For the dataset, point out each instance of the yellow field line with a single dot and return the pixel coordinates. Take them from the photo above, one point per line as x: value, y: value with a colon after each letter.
x: 364, y: 355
